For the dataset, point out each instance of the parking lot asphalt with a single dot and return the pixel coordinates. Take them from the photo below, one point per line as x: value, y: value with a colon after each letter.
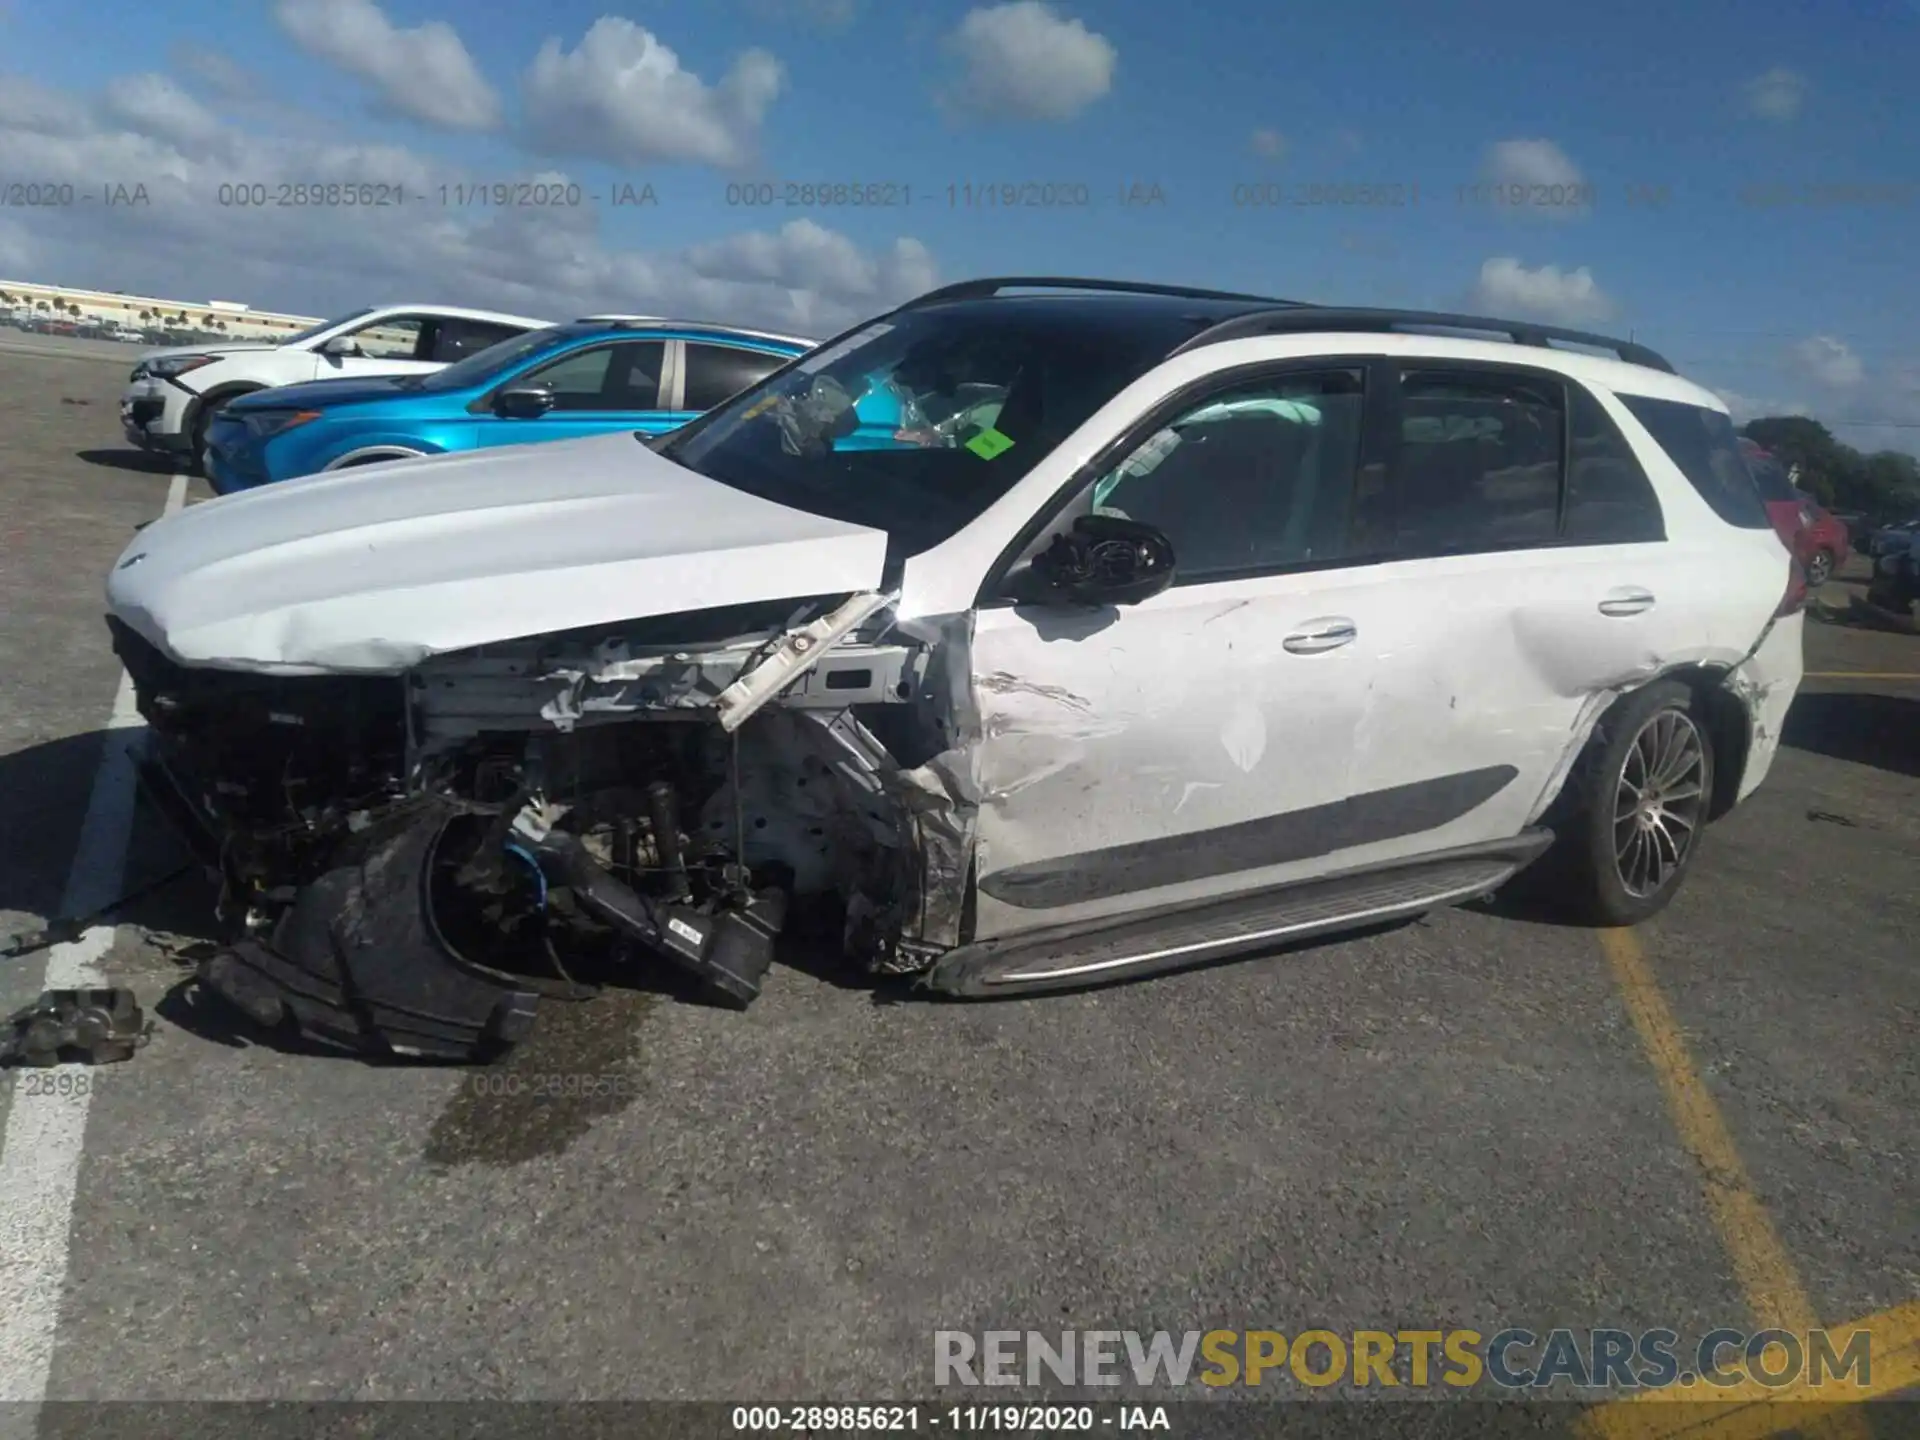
x: 1461, y: 1122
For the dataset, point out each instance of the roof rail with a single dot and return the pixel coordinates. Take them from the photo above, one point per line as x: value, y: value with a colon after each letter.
x: 983, y: 289
x: 1307, y: 319
x: 715, y: 327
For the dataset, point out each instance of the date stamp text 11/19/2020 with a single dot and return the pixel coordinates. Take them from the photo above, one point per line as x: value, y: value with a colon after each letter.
x: 979, y: 194
x: 1279, y: 195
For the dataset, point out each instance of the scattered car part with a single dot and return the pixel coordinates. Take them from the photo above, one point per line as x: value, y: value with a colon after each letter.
x: 93, y: 1027
x: 66, y: 931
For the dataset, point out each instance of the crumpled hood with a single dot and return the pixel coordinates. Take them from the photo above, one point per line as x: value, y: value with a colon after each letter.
x: 371, y: 570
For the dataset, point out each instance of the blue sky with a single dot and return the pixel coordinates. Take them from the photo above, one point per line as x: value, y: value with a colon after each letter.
x: 1807, y: 305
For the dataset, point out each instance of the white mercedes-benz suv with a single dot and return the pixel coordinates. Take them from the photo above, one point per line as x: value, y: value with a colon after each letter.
x: 172, y: 394
x: 1148, y: 627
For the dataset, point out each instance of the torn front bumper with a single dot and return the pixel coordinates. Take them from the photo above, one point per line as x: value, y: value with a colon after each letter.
x: 1766, y: 682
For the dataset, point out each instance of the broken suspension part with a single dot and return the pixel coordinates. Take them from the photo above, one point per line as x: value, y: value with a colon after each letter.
x: 729, y: 947
x: 98, y: 1027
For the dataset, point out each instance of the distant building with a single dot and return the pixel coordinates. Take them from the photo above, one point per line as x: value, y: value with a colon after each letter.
x: 142, y: 312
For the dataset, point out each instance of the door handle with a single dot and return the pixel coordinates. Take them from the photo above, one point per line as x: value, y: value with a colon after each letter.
x: 1317, y: 636
x: 1628, y: 600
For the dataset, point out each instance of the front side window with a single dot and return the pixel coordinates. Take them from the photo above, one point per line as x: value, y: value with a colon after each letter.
x: 716, y: 372
x: 316, y: 330
x: 500, y: 358
x: 397, y: 337
x: 915, y: 424
x: 603, y: 377
x: 1704, y: 448
x: 1253, y: 479
x: 1480, y: 462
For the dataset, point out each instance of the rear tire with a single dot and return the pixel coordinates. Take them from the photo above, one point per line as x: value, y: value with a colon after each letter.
x: 1819, y: 568
x: 1639, y: 803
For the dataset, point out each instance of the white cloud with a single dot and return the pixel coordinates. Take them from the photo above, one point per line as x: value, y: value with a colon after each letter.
x: 1827, y: 361
x: 1270, y: 144
x: 17, y: 251
x: 1776, y: 95
x: 215, y: 70
x: 1566, y: 297
x: 550, y: 261
x: 1024, y: 61
x: 154, y: 105
x: 424, y: 73
x: 1543, y: 180
x: 622, y: 97
x: 28, y: 105
x: 1744, y: 407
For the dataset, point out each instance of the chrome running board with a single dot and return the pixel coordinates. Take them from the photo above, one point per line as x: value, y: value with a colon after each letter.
x: 1135, y: 946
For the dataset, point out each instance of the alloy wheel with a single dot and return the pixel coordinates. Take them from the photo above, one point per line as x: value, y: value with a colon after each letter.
x: 1659, y: 803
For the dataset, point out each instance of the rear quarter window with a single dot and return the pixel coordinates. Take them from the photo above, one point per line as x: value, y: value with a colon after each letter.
x: 1770, y: 476
x: 1705, y: 448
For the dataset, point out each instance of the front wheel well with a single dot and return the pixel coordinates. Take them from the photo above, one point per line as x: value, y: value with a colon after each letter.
x: 375, y: 456
x: 221, y: 394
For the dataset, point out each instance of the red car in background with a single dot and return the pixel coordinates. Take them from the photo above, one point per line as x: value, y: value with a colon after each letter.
x: 1811, y: 533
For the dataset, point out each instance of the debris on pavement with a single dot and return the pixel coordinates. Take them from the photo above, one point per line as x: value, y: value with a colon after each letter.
x: 93, y: 1027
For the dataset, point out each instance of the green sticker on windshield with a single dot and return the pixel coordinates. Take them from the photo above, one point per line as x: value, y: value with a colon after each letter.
x: 989, y: 443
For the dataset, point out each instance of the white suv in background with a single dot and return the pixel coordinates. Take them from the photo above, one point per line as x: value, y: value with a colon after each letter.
x: 172, y: 394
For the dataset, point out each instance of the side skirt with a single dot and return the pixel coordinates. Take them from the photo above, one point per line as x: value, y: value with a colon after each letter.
x: 1074, y: 957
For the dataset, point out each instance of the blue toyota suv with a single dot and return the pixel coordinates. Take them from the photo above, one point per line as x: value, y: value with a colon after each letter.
x: 603, y: 373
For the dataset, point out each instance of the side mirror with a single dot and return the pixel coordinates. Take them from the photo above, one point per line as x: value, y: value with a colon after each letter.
x: 1105, y: 560
x: 529, y: 402
x: 340, y: 346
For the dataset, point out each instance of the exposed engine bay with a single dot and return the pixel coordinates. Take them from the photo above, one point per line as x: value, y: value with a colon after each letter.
x: 409, y: 864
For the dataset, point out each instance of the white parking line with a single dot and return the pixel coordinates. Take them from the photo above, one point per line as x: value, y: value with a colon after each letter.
x: 40, y: 1154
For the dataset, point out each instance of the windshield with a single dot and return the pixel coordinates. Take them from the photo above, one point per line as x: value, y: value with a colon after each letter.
x: 483, y: 365
x: 327, y: 325
x: 917, y: 423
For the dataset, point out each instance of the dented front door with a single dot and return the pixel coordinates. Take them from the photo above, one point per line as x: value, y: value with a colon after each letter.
x: 1196, y: 743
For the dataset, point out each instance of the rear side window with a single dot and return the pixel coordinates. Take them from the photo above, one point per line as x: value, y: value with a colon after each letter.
x: 716, y: 372
x: 1479, y: 462
x: 1610, y: 501
x: 1770, y: 476
x: 1704, y: 447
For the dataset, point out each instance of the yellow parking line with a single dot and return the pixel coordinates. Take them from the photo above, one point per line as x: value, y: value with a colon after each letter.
x: 1750, y: 1411
x: 1760, y: 1262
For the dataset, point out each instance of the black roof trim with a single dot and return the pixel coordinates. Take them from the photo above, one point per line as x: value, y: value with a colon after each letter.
x: 1306, y: 319
x: 986, y: 288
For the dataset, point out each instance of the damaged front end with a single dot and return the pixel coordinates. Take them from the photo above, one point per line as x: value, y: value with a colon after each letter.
x: 409, y: 863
